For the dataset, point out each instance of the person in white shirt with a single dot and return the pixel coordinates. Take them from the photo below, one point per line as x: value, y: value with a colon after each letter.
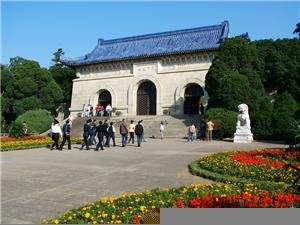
x: 108, y: 110
x: 55, y: 134
x: 162, y: 129
x: 131, y: 132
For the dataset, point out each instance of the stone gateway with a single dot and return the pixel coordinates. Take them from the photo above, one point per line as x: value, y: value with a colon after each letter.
x: 148, y: 74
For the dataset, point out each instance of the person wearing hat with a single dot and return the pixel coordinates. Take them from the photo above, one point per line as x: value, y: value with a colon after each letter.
x: 55, y: 134
x: 66, y: 135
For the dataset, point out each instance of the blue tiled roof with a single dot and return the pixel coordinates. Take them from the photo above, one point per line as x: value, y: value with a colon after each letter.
x: 151, y: 45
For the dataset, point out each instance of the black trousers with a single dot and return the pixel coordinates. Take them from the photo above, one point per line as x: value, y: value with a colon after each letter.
x: 100, y: 143
x: 68, y: 139
x: 113, y: 138
x: 139, y: 139
x: 131, y: 137
x: 85, y: 143
x: 55, y: 138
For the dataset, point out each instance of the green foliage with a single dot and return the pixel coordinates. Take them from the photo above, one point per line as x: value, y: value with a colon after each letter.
x: 25, y: 104
x: 234, y: 89
x: 284, y: 110
x: 63, y: 77
x: 16, y: 130
x: 27, y: 86
x: 37, y: 120
x: 294, y: 134
x: 262, y: 119
x: 225, y: 120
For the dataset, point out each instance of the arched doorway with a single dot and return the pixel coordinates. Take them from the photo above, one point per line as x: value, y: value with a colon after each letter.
x: 104, y: 98
x: 146, y: 99
x: 192, y: 95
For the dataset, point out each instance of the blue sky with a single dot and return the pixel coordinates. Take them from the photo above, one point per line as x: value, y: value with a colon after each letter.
x: 35, y: 30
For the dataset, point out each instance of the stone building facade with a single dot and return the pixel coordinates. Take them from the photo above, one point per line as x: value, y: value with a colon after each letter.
x: 148, y: 74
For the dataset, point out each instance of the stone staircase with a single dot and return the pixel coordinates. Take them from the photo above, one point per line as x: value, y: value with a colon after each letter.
x: 175, y: 127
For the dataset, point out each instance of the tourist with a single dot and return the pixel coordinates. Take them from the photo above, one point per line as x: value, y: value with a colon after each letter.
x: 101, y: 110
x: 108, y: 110
x: 124, y: 132
x: 191, y: 132
x: 105, y: 138
x: 86, y: 110
x: 86, y: 132
x: 209, y: 130
x: 131, y: 131
x: 111, y: 134
x: 97, y: 110
x: 55, y: 134
x: 66, y: 135
x: 139, y: 132
x: 161, y: 130
x: 92, y: 133
x: 91, y: 111
x: 202, y: 130
x: 101, y: 130
x: 143, y: 136
x: 24, y: 127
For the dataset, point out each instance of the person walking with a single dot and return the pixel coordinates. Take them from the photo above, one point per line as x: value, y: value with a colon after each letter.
x: 143, y: 134
x: 92, y: 133
x: 66, y: 135
x: 124, y: 132
x: 131, y: 131
x: 111, y: 134
x: 161, y: 130
x: 139, y: 130
x: 191, y: 132
x: 86, y: 132
x: 209, y: 130
x: 55, y: 134
x: 100, y: 133
x: 105, y: 138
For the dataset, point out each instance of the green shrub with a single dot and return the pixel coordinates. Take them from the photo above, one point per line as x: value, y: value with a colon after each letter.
x: 16, y: 130
x: 225, y: 120
x: 38, y: 121
x: 285, y: 108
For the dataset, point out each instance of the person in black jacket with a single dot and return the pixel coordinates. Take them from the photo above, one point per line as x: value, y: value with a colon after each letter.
x: 139, y: 130
x: 105, y: 124
x: 100, y: 131
x: 111, y: 134
x: 66, y: 135
x: 86, y: 132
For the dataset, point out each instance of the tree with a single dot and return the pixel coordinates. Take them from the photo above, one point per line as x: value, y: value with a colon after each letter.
x: 51, y: 96
x: 234, y: 89
x: 284, y: 109
x: 297, y: 30
x: 57, y: 56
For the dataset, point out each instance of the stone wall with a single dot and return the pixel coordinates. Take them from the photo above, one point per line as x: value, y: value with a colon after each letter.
x: 170, y: 75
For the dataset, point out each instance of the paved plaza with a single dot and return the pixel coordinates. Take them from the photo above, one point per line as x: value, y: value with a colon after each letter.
x: 40, y: 183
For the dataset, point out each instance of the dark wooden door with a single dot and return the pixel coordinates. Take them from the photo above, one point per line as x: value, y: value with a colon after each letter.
x: 146, y: 99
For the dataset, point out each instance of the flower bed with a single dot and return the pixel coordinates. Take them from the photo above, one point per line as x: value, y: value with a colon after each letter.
x: 29, y: 142
x: 132, y: 208
x: 265, y: 167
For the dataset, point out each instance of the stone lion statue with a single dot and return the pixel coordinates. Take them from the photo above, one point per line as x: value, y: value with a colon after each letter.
x: 243, y: 119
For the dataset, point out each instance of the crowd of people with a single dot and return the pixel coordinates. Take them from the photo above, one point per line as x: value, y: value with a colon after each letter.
x: 106, y: 133
x: 99, y: 111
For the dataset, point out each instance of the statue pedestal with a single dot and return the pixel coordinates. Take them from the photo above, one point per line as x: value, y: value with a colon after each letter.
x: 243, y: 136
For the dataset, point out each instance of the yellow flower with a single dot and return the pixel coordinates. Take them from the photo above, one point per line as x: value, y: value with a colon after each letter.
x: 56, y: 221
x: 87, y: 215
x: 95, y: 222
x: 142, y: 208
x: 113, y: 216
x: 70, y: 217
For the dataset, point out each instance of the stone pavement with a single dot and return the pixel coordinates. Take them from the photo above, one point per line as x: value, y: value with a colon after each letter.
x: 40, y: 183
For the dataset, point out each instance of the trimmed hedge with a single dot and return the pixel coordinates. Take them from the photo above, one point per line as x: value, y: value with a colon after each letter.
x: 37, y: 121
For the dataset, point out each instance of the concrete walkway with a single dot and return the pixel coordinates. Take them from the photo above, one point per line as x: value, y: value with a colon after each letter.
x: 40, y: 183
